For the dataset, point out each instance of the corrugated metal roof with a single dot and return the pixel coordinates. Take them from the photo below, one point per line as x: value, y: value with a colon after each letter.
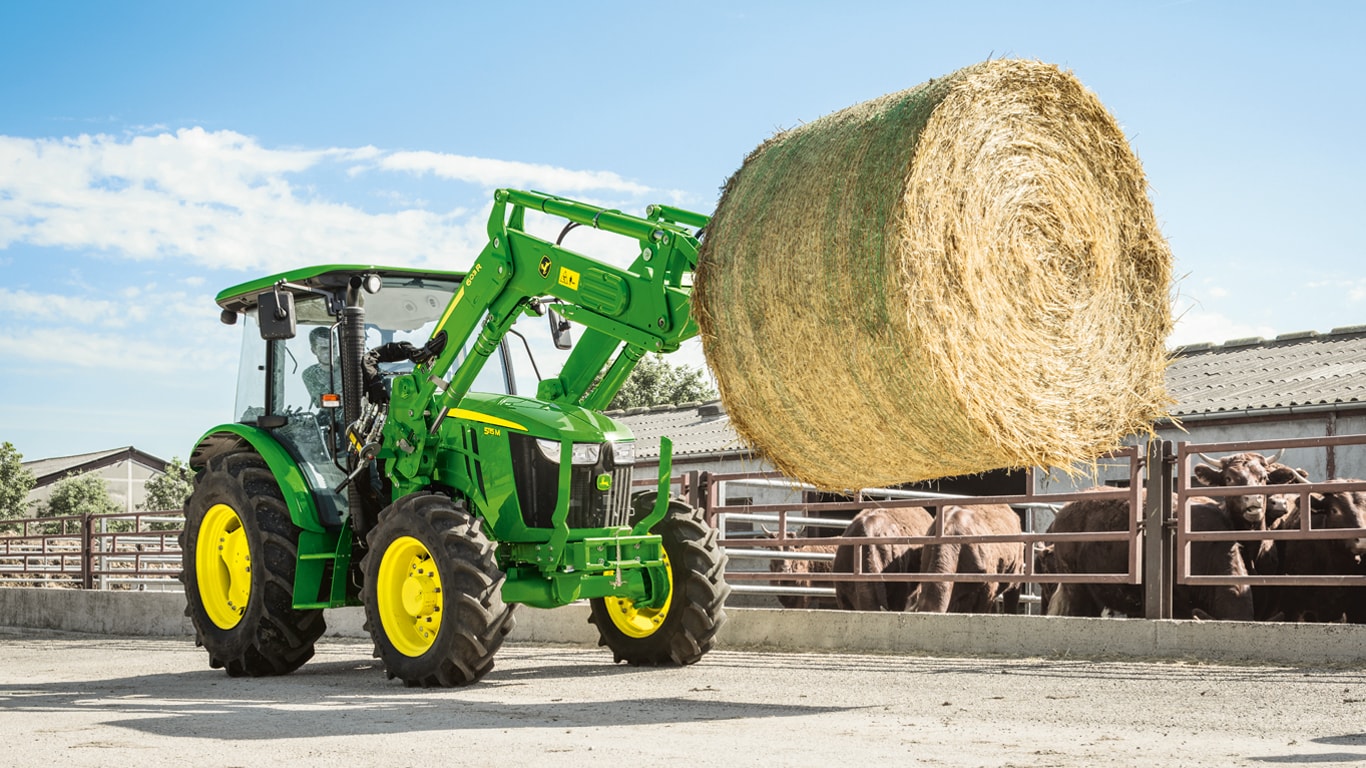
x: 697, y: 429
x: 1242, y: 376
x: 1250, y: 375
x: 46, y: 471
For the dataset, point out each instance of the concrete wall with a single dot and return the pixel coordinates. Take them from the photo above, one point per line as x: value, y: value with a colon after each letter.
x: 161, y: 614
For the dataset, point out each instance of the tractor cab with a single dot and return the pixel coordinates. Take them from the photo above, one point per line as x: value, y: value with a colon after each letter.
x: 291, y: 378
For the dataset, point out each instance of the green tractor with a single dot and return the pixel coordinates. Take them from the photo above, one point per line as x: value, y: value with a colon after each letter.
x: 382, y: 457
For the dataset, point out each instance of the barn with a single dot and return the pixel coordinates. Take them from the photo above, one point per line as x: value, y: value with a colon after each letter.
x: 1296, y: 385
x: 1304, y: 386
x: 125, y: 472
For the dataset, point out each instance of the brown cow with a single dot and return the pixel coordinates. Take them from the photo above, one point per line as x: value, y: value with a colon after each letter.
x: 1003, y: 558
x: 1280, y: 504
x: 1250, y: 512
x: 880, y: 558
x: 1316, y: 557
x: 1246, y: 511
x: 796, y: 567
x: 1089, y: 599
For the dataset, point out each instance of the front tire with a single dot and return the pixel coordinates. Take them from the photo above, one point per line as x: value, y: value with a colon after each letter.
x: 238, y: 555
x: 433, y: 593
x: 684, y: 628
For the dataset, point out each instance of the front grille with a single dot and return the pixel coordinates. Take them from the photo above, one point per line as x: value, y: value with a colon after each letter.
x: 537, y: 481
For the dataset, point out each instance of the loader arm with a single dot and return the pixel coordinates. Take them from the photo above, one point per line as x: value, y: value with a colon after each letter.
x: 625, y: 312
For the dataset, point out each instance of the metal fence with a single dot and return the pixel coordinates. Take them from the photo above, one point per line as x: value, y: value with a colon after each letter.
x: 746, y: 535
x: 141, y: 550
x: 113, y: 551
x: 1176, y: 545
x: 1158, y: 538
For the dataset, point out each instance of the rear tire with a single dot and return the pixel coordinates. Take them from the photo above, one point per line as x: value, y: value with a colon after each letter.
x: 238, y: 555
x: 684, y: 629
x: 433, y: 593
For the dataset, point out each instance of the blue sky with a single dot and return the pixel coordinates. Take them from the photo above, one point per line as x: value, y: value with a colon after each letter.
x: 153, y: 153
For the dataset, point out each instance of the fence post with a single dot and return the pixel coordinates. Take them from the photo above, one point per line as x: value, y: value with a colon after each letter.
x: 87, y: 551
x: 1157, y: 534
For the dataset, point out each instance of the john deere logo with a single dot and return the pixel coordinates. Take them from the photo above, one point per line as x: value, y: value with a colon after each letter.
x: 544, y: 267
x: 604, y: 482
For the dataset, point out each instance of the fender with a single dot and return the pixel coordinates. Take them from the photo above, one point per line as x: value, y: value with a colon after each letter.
x: 303, y: 511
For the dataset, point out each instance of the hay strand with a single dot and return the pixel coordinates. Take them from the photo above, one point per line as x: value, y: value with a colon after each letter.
x: 959, y: 277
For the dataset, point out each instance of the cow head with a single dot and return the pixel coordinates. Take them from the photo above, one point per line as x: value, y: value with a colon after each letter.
x: 1247, y: 510
x: 1348, y: 510
x: 1279, y: 505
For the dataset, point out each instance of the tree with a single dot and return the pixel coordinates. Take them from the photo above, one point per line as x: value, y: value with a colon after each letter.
x: 655, y: 382
x: 169, y: 491
x: 15, y: 483
x: 85, y: 494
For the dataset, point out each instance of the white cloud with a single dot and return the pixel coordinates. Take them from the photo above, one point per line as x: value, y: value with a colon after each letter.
x: 28, y: 306
x: 223, y: 201
x: 142, y: 347
x: 1195, y: 327
x: 82, y: 349
x: 489, y: 173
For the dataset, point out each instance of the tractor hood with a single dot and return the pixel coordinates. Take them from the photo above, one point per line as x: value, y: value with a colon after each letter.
x: 539, y: 418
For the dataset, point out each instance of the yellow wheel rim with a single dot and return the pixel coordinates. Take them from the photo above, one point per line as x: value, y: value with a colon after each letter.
x: 222, y: 565
x: 640, y: 622
x: 408, y: 596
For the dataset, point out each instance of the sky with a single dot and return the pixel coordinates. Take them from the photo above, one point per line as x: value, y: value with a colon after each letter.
x: 154, y: 153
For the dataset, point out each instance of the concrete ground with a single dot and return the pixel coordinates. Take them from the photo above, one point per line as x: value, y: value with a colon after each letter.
x: 86, y: 700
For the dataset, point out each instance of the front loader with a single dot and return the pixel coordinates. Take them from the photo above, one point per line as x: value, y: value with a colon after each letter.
x: 382, y: 457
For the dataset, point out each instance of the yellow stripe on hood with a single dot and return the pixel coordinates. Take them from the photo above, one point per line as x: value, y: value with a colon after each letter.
x: 461, y: 413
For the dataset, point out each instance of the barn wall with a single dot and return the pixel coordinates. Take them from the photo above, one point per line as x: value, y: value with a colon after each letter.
x: 126, y: 481
x: 1320, y: 463
x: 1351, y: 459
x: 1343, y: 461
x: 731, y: 492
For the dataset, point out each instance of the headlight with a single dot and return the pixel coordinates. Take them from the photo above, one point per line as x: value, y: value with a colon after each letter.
x: 584, y: 453
x: 624, y: 453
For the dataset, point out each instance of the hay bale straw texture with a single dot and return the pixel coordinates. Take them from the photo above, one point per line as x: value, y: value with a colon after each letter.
x: 959, y: 277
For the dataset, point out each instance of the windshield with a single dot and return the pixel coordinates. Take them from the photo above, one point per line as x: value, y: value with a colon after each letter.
x: 408, y: 309
x: 295, y: 381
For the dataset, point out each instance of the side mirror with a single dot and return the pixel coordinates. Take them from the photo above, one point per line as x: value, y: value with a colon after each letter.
x: 559, y: 330
x: 275, y: 315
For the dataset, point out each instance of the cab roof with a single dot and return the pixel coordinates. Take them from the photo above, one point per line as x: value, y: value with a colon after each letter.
x: 328, y: 277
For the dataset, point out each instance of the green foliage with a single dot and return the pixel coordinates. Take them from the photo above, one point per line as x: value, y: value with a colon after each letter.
x: 80, y: 495
x: 169, y: 491
x: 656, y: 382
x: 77, y: 495
x: 15, y: 483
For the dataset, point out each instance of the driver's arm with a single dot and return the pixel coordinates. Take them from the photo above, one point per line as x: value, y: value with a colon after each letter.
x: 393, y: 352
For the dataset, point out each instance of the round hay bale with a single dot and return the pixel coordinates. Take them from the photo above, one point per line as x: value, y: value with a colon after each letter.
x: 959, y: 277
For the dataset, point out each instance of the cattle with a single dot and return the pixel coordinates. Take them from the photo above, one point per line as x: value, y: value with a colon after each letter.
x: 1091, y: 599
x: 796, y: 567
x: 1279, y: 504
x: 1246, y: 511
x: 1316, y: 557
x: 880, y: 558
x: 996, y: 557
x: 1250, y: 512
